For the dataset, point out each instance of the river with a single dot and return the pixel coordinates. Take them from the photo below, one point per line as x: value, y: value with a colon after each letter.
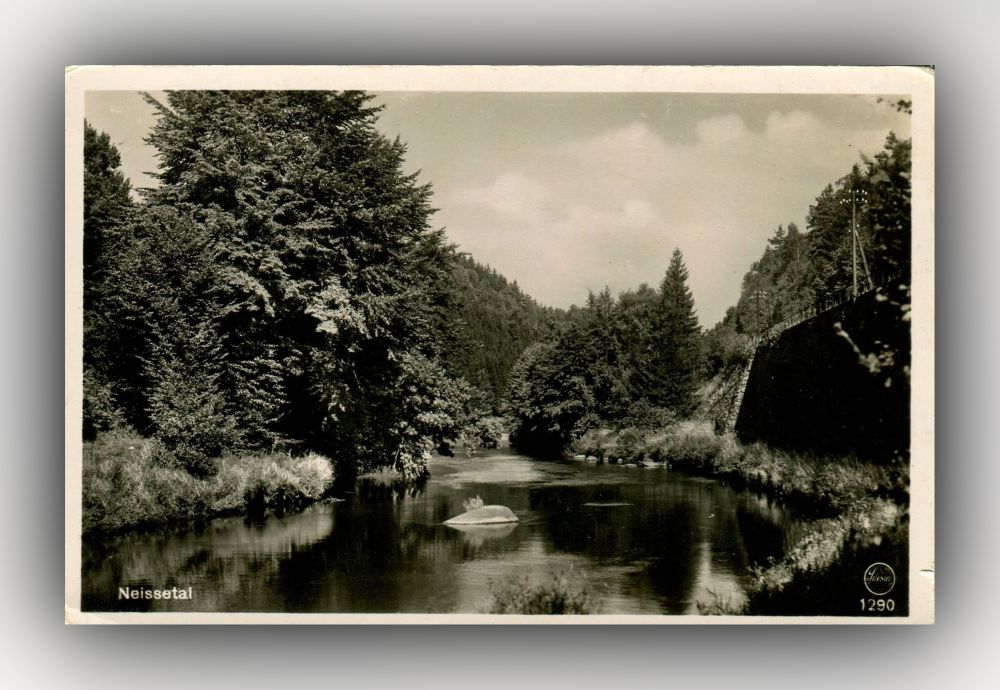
x: 641, y: 540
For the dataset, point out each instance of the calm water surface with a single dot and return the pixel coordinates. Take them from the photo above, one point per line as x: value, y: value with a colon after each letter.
x: 643, y: 540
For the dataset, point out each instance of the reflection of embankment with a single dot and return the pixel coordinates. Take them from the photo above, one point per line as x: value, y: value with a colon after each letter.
x: 226, y: 557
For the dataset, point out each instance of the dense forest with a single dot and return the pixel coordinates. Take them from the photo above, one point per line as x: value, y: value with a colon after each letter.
x: 492, y: 323
x: 281, y: 288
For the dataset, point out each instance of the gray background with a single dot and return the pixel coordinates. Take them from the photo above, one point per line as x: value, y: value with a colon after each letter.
x: 40, y: 38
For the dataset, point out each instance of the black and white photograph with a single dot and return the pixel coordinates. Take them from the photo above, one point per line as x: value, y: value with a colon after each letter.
x: 500, y: 345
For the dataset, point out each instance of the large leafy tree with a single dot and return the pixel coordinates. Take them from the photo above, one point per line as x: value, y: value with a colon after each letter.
x: 592, y: 347
x: 317, y: 315
x: 636, y: 311
x: 550, y: 401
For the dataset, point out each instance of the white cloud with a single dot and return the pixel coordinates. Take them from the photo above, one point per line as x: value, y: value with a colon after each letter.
x: 796, y: 125
x: 720, y: 131
x: 511, y: 194
x: 609, y: 209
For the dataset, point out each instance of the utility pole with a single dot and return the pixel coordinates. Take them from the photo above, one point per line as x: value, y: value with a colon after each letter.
x: 861, y: 196
x: 857, y: 195
x: 854, y: 242
x: 759, y: 299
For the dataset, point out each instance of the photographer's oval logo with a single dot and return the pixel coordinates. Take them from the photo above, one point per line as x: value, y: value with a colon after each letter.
x: 879, y: 579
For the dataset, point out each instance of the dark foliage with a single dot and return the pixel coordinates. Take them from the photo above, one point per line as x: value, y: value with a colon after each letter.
x: 106, y: 205
x: 619, y: 363
x: 492, y: 322
x: 282, y: 287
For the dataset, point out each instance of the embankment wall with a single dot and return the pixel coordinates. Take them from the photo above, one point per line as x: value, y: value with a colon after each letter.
x: 807, y: 391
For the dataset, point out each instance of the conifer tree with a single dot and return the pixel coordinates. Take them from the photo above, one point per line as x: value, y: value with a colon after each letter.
x: 676, y: 341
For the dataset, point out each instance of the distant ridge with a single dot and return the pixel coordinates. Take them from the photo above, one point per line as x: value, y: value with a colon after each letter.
x: 493, y: 321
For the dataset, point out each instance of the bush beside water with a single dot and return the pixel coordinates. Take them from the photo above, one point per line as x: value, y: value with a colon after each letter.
x: 128, y: 483
x: 557, y: 595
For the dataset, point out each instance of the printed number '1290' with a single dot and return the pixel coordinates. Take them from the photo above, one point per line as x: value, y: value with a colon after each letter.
x: 878, y: 605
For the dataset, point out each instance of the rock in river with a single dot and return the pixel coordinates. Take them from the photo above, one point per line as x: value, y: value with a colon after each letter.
x: 487, y: 515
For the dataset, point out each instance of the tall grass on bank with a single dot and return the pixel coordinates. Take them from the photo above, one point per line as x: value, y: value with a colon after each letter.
x: 817, y: 484
x: 775, y: 586
x: 128, y: 485
x: 867, y: 521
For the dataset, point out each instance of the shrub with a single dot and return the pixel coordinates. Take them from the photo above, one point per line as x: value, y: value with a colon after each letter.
x: 602, y: 443
x: 720, y: 605
x: 123, y: 488
x: 488, y: 432
x: 272, y: 482
x: 631, y: 443
x: 555, y: 596
x: 694, y: 447
x: 315, y: 475
x: 472, y: 503
x: 646, y: 416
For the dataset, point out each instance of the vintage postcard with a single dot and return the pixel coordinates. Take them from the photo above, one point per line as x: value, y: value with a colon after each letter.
x: 499, y: 345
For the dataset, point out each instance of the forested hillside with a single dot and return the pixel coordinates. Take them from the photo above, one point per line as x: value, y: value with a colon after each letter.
x: 492, y: 322
x: 817, y: 268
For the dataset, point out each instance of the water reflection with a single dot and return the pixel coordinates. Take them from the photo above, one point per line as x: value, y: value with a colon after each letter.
x: 236, y: 556
x: 643, y: 541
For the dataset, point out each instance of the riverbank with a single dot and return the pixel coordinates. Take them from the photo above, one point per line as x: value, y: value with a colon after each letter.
x: 815, y: 485
x: 853, y: 506
x: 126, y: 488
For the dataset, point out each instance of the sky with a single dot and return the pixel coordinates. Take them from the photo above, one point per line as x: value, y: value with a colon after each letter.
x: 567, y: 193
